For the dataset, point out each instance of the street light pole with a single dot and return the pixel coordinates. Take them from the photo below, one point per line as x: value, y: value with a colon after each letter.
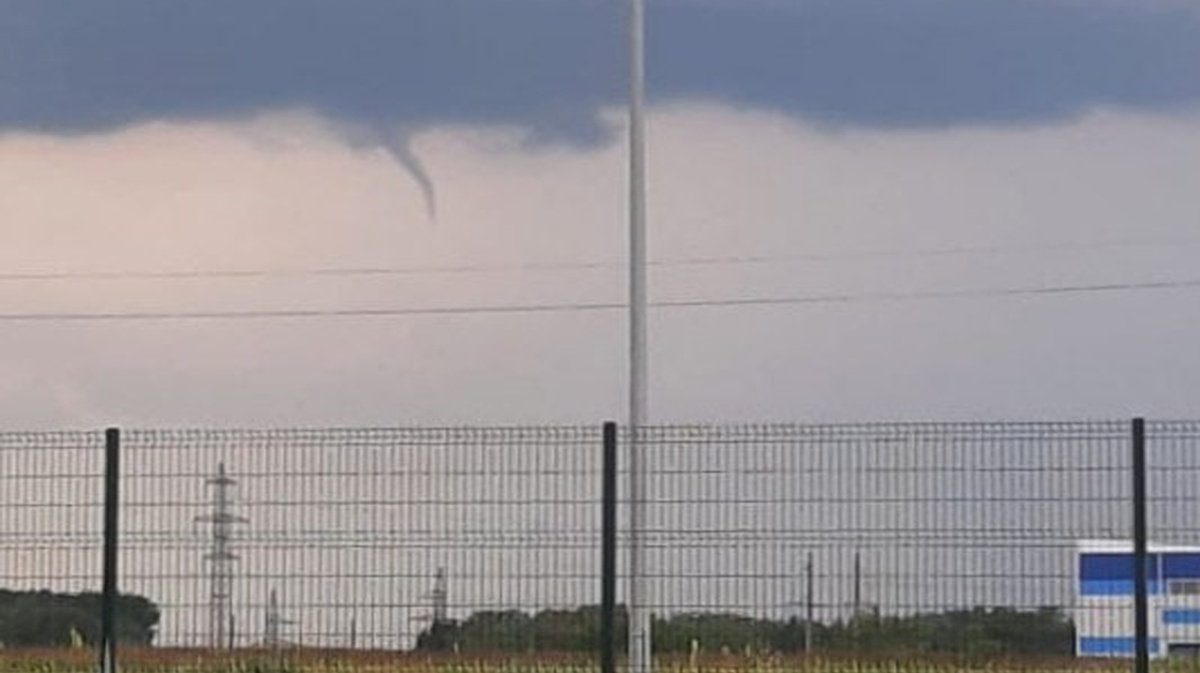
x: 639, y: 615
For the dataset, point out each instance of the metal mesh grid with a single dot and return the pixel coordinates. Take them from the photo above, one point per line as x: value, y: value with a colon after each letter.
x: 1173, y: 482
x: 356, y: 538
x: 858, y: 542
x: 896, y: 520
x: 1173, y: 532
x: 51, y: 510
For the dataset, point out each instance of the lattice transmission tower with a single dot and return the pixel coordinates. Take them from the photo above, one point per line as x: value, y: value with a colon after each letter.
x: 221, y: 559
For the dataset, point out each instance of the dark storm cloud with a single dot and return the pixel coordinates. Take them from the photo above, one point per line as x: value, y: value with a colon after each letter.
x: 550, y: 65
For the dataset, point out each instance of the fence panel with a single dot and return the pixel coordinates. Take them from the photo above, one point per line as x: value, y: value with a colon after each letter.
x: 874, y: 541
x: 51, y: 533
x: 923, y: 539
x: 360, y: 539
x: 1173, y: 513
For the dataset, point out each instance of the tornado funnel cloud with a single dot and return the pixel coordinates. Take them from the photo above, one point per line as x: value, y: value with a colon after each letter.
x: 402, y: 152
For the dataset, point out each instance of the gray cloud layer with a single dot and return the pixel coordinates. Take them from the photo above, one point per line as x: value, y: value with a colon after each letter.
x: 382, y: 64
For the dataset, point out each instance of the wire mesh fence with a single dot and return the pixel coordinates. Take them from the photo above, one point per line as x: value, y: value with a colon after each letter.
x: 356, y: 539
x: 912, y: 539
x: 791, y: 544
x: 1173, y: 528
x: 51, y: 490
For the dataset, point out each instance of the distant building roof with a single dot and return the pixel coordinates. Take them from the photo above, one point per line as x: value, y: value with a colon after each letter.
x: 1126, y: 547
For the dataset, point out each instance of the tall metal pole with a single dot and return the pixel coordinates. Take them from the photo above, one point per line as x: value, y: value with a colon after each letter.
x: 108, y: 614
x: 639, y: 615
x: 1141, y: 611
x: 608, y: 554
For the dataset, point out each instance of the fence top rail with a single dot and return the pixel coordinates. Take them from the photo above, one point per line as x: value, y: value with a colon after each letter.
x: 1100, y: 429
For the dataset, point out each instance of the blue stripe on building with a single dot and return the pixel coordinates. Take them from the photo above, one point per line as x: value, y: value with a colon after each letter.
x: 1108, y: 566
x: 1181, y: 566
x: 1108, y: 647
x: 1181, y: 616
x: 1114, y: 587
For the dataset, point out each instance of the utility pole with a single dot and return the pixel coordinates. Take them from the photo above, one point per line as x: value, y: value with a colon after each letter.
x: 809, y: 601
x: 639, y: 590
x: 441, y: 598
x: 439, y: 615
x: 221, y: 560
x: 272, y: 629
x: 857, y: 583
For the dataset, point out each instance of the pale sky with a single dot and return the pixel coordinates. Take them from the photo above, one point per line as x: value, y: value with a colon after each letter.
x: 851, y: 150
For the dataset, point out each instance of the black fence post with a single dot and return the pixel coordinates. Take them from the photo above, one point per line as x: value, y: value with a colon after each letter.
x: 608, y: 554
x: 108, y: 600
x: 1141, y: 620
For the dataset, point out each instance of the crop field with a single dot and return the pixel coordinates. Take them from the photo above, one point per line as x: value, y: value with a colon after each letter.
x: 324, y: 661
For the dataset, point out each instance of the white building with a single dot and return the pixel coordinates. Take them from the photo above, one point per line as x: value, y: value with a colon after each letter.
x: 1104, y: 619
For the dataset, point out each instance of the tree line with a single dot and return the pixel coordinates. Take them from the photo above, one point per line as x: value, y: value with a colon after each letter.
x: 47, y: 619
x: 978, y: 632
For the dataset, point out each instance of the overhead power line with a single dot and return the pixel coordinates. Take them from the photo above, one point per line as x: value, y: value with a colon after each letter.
x: 683, y: 262
x: 578, y: 307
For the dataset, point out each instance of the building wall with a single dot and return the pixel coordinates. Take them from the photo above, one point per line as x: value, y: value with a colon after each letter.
x: 1104, y: 615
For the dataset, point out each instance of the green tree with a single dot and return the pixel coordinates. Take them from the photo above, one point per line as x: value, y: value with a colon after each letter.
x: 974, y: 633
x: 47, y: 619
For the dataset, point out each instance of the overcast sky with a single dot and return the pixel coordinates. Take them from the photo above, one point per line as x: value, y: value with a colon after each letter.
x: 883, y: 153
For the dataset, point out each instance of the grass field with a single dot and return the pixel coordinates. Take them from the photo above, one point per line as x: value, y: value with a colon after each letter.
x: 324, y: 661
